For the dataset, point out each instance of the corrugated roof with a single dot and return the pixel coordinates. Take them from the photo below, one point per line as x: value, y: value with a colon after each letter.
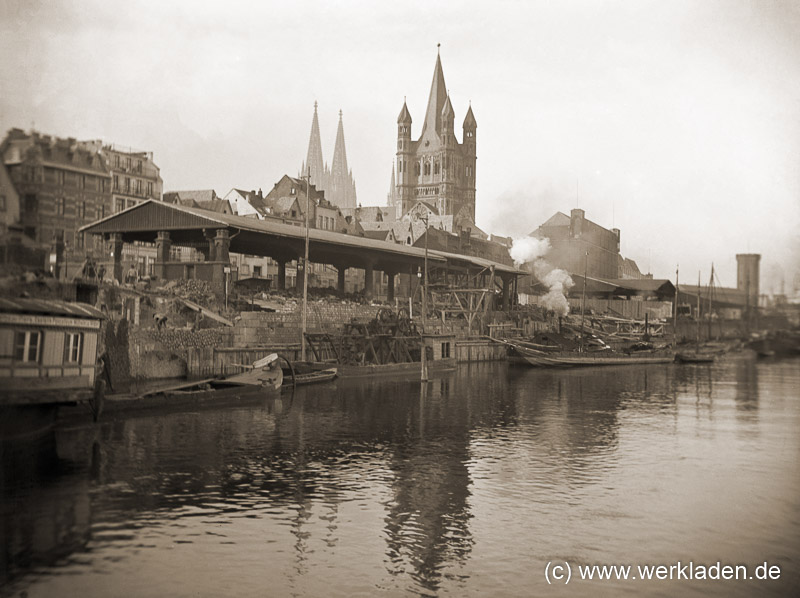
x: 50, y: 307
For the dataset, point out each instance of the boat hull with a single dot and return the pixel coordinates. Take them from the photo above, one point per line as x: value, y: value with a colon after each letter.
x: 570, y: 359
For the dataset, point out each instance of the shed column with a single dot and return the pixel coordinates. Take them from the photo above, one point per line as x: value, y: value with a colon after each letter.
x: 340, y: 283
x: 281, y: 274
x: 506, y: 293
x: 390, y: 289
x: 222, y: 243
x: 163, y: 246
x: 368, y: 282
x: 210, y: 250
x: 116, y: 251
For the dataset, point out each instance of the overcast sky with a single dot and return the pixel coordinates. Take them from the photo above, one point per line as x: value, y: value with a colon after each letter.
x: 677, y: 122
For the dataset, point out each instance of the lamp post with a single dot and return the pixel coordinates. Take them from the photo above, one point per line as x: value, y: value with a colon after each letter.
x: 424, y: 356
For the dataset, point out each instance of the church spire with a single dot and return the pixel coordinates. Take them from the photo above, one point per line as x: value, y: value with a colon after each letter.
x: 314, y: 162
x: 391, y: 197
x: 436, y: 99
x: 342, y: 189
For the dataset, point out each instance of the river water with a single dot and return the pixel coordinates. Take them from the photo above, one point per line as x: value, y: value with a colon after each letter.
x: 468, y: 486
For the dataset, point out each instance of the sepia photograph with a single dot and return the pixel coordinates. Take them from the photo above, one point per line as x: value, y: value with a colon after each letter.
x: 444, y: 298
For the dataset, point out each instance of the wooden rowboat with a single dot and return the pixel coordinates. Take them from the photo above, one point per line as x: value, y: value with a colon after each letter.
x: 538, y: 358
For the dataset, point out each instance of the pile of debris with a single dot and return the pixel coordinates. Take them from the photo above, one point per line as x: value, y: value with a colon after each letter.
x: 197, y: 291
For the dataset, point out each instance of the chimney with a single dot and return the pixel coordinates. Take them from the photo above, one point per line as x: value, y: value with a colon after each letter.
x: 576, y: 218
x: 259, y: 194
x: 616, y: 234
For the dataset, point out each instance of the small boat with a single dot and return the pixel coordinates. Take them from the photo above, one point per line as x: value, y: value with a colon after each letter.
x: 265, y: 372
x: 694, y: 358
x: 539, y: 358
x: 299, y: 373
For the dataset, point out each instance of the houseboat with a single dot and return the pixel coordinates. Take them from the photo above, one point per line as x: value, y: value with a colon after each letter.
x: 48, y: 355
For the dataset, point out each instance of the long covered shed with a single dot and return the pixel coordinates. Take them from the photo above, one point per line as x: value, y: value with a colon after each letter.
x: 217, y: 235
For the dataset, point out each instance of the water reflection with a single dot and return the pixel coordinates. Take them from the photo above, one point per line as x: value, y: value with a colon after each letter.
x: 385, y: 484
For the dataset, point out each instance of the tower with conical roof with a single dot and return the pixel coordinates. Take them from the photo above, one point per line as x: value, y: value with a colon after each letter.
x: 337, y: 181
x: 436, y: 168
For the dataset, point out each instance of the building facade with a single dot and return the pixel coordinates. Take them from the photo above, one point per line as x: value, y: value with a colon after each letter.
x: 62, y: 185
x: 134, y: 176
x: 435, y: 167
x: 578, y: 245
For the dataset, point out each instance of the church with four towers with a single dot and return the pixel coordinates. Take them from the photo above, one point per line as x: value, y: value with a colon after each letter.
x: 435, y: 168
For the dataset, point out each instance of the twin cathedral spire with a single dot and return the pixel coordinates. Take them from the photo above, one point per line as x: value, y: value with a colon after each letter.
x: 337, y: 181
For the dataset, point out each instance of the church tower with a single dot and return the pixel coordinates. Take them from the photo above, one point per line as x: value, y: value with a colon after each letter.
x: 436, y: 168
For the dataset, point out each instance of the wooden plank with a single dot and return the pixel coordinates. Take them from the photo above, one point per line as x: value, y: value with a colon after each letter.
x: 206, y: 312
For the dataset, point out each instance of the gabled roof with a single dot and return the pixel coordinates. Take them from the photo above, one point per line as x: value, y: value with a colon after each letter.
x: 198, y: 195
x: 222, y: 206
x: 50, y: 307
x: 557, y: 219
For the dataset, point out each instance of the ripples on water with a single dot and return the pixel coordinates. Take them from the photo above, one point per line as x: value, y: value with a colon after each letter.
x: 467, y: 486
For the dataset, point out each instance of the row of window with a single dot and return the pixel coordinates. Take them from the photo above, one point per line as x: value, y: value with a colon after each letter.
x: 31, y: 206
x: 135, y: 186
x: 28, y: 347
x: 428, y: 167
x: 67, y: 178
x: 126, y: 163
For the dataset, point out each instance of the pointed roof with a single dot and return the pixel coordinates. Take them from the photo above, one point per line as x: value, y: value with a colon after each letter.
x: 447, y: 111
x: 469, y: 120
x: 342, y: 192
x: 405, y: 116
x: 436, y: 99
x: 314, y: 163
x: 391, y: 197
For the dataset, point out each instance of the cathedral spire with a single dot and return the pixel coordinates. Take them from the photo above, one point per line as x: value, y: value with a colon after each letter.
x: 436, y: 99
x: 391, y: 197
x: 342, y: 189
x: 314, y: 162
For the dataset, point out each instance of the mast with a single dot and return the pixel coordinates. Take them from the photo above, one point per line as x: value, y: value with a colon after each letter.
x: 697, y: 343
x: 675, y: 316
x: 583, y: 298
x: 305, y: 273
x: 710, y: 285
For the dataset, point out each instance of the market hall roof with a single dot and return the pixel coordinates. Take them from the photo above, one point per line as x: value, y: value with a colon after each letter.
x: 266, y: 238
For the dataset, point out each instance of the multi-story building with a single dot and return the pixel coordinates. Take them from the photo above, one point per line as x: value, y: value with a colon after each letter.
x: 436, y: 168
x: 578, y: 244
x: 62, y: 185
x: 134, y: 176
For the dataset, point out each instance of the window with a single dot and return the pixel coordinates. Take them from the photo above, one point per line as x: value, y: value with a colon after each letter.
x: 119, y: 205
x: 116, y: 162
x: 83, y: 181
x: 149, y: 189
x: 102, y: 185
x: 127, y: 184
x: 59, y: 206
x: 116, y: 183
x: 27, y: 346
x: 31, y: 203
x: 73, y: 342
x: 319, y: 221
x: 82, y: 209
x: 445, y: 350
x: 79, y: 240
x: 102, y: 211
x: 138, y: 186
x: 292, y: 192
x: 257, y: 271
x: 2, y: 203
x: 139, y: 166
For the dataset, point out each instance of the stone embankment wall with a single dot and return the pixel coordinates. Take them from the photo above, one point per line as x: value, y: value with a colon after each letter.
x: 164, y: 353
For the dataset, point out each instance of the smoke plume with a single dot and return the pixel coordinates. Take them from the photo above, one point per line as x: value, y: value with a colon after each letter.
x: 530, y: 252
